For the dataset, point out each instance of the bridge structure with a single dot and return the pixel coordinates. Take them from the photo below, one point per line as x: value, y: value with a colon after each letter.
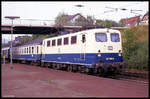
x: 34, y: 26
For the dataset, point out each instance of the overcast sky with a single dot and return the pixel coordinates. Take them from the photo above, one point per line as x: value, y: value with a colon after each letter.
x: 49, y: 10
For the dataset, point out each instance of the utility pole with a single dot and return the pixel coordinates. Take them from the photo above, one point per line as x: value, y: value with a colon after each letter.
x: 11, y: 18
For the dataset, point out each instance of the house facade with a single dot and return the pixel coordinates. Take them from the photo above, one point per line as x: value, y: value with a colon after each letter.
x: 131, y: 22
x: 145, y: 19
x: 136, y: 20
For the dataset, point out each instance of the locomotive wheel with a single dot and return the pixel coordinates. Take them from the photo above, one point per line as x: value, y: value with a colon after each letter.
x: 54, y: 66
x: 58, y: 66
x: 100, y: 71
x: 95, y: 70
x: 42, y: 64
x: 69, y: 68
x: 86, y: 70
x: 80, y: 69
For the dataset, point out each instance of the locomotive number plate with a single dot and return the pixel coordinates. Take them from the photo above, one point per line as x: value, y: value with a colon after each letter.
x: 110, y: 48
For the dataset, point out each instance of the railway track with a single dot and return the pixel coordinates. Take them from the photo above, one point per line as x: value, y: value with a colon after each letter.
x: 124, y: 75
x: 130, y: 76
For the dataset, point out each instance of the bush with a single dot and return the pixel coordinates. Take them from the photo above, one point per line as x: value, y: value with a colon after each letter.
x: 135, y: 48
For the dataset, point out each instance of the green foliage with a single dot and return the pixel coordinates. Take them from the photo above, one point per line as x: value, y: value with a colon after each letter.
x: 25, y: 39
x: 121, y: 23
x: 81, y: 21
x: 107, y: 23
x: 63, y: 19
x: 135, y: 48
x: 5, y: 45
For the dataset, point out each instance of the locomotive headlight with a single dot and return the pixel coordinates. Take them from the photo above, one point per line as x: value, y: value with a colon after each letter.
x: 99, y: 53
x: 119, y: 54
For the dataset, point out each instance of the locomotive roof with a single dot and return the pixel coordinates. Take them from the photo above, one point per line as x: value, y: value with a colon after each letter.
x: 5, y: 48
x: 88, y: 30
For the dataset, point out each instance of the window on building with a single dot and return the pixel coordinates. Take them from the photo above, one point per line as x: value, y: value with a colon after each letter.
x: 73, y: 39
x: 48, y: 43
x: 66, y: 41
x: 53, y: 43
x: 59, y: 41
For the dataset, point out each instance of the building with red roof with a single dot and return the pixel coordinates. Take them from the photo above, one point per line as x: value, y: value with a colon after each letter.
x: 131, y: 22
x: 145, y: 19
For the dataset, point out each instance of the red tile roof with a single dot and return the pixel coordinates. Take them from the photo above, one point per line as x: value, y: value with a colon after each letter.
x: 131, y: 21
x: 70, y: 17
x: 144, y: 17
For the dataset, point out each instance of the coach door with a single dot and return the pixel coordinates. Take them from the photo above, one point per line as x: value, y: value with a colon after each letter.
x: 83, y: 46
x: 43, y: 49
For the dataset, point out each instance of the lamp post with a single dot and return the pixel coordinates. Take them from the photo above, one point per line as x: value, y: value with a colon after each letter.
x: 11, y: 18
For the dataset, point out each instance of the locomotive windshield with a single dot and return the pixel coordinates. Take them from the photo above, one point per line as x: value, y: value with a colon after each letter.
x: 101, y: 37
x: 115, y: 37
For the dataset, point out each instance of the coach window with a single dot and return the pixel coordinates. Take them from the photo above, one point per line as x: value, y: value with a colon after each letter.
x: 59, y: 41
x: 65, y: 40
x: 27, y: 50
x: 32, y: 49
x: 24, y: 50
x: 48, y: 43
x: 53, y: 42
x: 37, y: 49
x: 73, y: 39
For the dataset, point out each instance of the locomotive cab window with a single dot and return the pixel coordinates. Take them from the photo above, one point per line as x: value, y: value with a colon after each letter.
x: 73, y: 39
x: 115, y: 37
x: 101, y: 37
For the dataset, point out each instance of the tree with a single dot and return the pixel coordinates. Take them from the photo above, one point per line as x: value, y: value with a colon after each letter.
x: 107, y: 23
x: 62, y: 20
x: 99, y: 22
x: 80, y: 21
x: 121, y: 23
x: 90, y: 20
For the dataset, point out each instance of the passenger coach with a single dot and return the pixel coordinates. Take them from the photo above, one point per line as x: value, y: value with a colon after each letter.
x: 29, y: 52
